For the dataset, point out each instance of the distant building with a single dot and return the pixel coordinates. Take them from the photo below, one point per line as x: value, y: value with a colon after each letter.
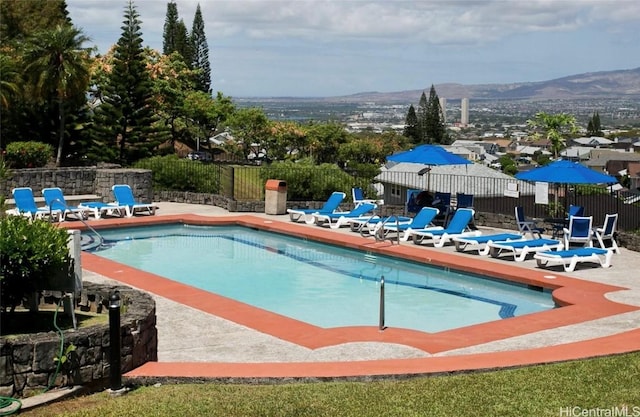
x: 443, y: 107
x: 464, y: 112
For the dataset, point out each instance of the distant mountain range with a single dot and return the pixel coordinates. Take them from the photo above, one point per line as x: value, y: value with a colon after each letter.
x: 591, y: 85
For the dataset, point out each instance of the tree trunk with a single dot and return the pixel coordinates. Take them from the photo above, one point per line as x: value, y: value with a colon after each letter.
x: 60, y: 132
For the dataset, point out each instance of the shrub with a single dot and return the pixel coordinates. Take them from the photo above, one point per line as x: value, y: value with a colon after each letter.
x: 33, y: 256
x: 309, y: 182
x: 173, y: 173
x: 28, y: 154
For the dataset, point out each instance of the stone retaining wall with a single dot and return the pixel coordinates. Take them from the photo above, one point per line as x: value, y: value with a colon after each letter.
x: 27, y: 362
x: 82, y: 180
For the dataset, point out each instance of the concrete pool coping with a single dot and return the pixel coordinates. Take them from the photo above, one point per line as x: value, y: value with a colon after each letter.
x: 604, y: 326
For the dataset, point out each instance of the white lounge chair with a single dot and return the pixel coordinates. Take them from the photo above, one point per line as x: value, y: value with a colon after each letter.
x: 570, y: 258
x: 369, y: 225
x: 54, y: 198
x: 26, y: 206
x: 358, y: 197
x: 336, y: 220
x: 481, y: 243
x: 606, y: 233
x: 99, y: 209
x: 124, y: 198
x: 579, y: 231
x: 523, y: 248
x: 422, y: 220
x: 527, y: 226
x: 306, y: 215
x: 458, y: 226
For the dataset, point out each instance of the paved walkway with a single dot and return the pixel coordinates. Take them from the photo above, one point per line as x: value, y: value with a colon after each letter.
x: 193, y: 342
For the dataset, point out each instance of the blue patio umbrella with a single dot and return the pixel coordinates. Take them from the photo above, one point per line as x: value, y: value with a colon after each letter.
x: 566, y: 172
x: 428, y: 155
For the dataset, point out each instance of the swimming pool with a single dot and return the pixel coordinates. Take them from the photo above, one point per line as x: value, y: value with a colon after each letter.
x: 317, y: 283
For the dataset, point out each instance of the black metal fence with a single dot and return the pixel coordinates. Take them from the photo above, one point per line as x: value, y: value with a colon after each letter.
x: 491, y: 195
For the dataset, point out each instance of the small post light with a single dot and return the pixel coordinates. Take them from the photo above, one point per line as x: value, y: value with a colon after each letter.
x: 115, y: 373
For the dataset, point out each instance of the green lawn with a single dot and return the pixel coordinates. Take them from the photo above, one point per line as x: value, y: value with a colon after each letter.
x: 550, y: 390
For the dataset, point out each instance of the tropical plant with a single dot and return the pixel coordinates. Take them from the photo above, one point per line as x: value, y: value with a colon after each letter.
x: 33, y: 254
x: 555, y: 127
x: 9, y: 83
x: 55, y: 61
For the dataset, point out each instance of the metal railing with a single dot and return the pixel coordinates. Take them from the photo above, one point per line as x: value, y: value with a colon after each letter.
x: 304, y: 183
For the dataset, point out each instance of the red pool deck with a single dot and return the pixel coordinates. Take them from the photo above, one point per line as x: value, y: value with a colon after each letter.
x: 581, y: 301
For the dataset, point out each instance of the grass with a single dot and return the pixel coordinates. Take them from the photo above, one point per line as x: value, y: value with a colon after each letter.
x: 22, y: 321
x: 602, y: 383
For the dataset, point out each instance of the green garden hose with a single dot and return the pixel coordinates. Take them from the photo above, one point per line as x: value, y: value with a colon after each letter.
x: 6, y: 402
x: 55, y: 324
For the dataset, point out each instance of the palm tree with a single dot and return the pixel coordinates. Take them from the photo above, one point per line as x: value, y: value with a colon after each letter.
x: 556, y: 127
x: 9, y: 86
x: 56, y: 63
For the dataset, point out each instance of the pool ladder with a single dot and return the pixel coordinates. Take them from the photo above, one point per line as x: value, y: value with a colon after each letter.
x: 79, y: 217
x: 372, y: 259
x: 381, y: 325
x: 378, y: 230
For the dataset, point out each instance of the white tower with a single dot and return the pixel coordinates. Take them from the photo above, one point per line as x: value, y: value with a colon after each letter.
x: 443, y: 107
x: 464, y: 112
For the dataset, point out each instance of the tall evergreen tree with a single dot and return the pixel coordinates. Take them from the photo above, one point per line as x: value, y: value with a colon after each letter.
x: 170, y: 29
x: 434, y: 128
x: 126, y: 113
x: 422, y: 119
x: 200, y: 53
x: 183, y: 44
x: 594, y: 128
x: 411, y: 128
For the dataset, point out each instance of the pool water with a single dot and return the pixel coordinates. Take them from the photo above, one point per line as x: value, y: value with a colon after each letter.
x: 320, y: 284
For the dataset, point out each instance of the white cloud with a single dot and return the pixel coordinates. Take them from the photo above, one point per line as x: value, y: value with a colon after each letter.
x: 357, y: 45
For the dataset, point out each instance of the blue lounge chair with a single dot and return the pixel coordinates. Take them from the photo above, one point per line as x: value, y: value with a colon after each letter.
x: 523, y: 248
x: 368, y: 225
x: 330, y: 206
x: 124, y: 198
x: 579, y: 231
x: 458, y: 226
x: 606, y: 233
x: 337, y: 220
x: 99, y: 209
x: 570, y: 258
x: 54, y: 198
x: 422, y: 220
x: 558, y: 228
x: 358, y: 197
x: 26, y: 205
x: 527, y: 226
x: 481, y: 243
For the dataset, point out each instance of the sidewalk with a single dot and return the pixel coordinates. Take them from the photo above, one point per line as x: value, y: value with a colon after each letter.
x: 181, y: 338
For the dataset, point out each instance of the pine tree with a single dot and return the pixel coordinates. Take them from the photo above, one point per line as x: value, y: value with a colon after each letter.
x: 183, y: 44
x: 200, y: 53
x: 593, y: 127
x: 422, y: 119
x: 411, y: 126
x: 434, y: 128
x: 170, y: 29
x: 126, y: 114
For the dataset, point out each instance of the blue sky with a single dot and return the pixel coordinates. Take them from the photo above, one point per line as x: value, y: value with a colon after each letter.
x: 321, y: 48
